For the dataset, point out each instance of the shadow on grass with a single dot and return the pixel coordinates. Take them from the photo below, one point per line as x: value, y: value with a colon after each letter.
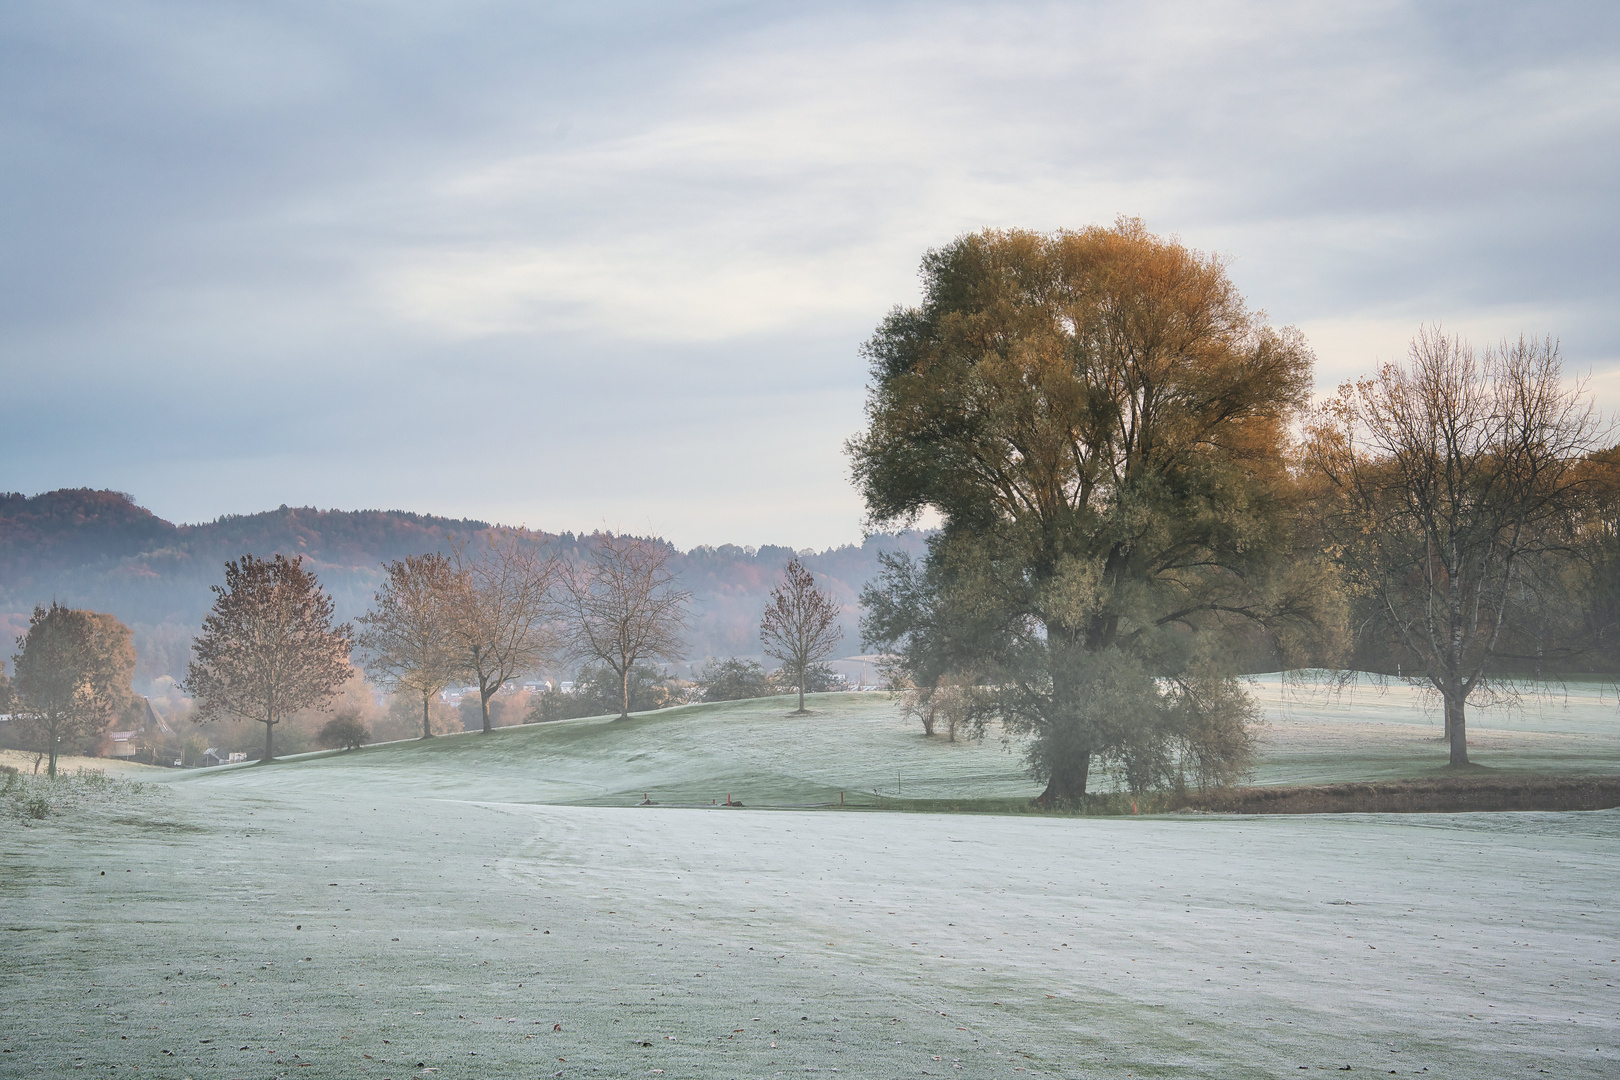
x: 1467, y: 789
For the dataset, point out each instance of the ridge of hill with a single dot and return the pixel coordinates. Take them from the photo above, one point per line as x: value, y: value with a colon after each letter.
x: 101, y: 550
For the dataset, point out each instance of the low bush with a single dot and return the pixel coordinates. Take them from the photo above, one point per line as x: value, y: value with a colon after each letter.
x: 344, y: 731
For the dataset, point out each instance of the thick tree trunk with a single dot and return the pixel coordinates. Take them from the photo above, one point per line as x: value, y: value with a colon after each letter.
x: 1067, y: 784
x: 427, y: 726
x: 483, y: 704
x: 1457, y: 729
x: 50, y: 770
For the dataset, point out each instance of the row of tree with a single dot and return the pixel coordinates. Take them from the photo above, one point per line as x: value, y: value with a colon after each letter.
x: 485, y: 618
x: 1134, y: 490
x: 269, y: 648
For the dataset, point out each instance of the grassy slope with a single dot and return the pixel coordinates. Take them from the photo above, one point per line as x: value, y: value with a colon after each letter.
x: 753, y: 751
x: 858, y: 746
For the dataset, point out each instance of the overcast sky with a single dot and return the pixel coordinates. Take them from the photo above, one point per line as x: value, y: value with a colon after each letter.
x: 611, y: 264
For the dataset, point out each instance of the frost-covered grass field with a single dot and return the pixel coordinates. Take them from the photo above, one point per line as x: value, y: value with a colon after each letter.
x: 498, y: 907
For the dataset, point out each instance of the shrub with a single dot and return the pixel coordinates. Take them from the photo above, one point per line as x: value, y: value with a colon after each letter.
x: 598, y: 692
x: 818, y: 679
x: 345, y: 731
x: 733, y: 679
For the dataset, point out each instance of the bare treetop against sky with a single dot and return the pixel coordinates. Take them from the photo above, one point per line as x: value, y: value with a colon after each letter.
x: 612, y: 265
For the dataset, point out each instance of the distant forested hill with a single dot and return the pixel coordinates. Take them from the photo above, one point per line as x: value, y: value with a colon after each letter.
x: 99, y: 550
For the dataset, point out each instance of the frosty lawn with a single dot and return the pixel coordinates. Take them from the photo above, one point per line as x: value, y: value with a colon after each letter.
x: 437, y: 910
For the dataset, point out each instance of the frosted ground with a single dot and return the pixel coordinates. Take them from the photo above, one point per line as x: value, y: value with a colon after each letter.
x: 498, y: 907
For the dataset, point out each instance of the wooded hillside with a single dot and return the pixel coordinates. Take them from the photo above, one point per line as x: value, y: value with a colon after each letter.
x: 100, y: 550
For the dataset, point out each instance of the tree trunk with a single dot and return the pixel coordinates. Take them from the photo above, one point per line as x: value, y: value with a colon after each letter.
x: 624, y: 682
x: 1457, y: 729
x: 269, y: 724
x: 427, y: 726
x: 801, y: 687
x: 50, y: 770
x: 483, y: 704
x: 1066, y: 784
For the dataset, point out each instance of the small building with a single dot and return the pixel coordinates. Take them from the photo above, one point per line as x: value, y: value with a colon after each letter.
x: 214, y: 756
x: 124, y: 744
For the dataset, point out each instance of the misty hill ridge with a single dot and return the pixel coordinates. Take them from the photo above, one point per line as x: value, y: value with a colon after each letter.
x: 100, y: 550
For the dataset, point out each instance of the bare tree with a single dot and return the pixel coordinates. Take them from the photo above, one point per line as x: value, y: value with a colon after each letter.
x: 505, y: 613
x: 623, y: 606
x: 955, y: 699
x: 72, y: 675
x: 1452, y: 488
x: 408, y: 639
x: 268, y: 648
x: 800, y: 626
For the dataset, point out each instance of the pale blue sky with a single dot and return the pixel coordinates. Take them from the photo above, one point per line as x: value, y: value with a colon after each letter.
x: 611, y: 264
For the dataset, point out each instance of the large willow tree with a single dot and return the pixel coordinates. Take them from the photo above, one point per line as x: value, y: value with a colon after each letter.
x: 1099, y: 422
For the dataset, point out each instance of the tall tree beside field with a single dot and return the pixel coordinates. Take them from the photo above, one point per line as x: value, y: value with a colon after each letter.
x: 504, y: 614
x: 1453, y: 486
x: 72, y: 677
x: 268, y: 647
x: 800, y: 626
x: 408, y: 639
x: 623, y: 606
x: 1099, y: 422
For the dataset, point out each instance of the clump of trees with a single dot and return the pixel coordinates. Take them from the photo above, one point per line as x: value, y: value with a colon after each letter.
x: 954, y: 703
x: 493, y: 614
x: 1103, y: 429
x: 72, y: 676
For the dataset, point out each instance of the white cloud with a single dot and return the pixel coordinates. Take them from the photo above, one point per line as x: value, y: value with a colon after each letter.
x: 347, y: 228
